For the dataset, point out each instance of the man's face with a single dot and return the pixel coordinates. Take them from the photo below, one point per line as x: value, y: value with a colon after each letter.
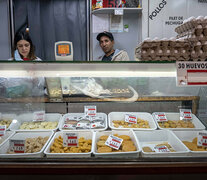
x: 106, y: 44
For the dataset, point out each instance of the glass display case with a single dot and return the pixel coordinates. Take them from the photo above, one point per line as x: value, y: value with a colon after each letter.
x: 126, y: 100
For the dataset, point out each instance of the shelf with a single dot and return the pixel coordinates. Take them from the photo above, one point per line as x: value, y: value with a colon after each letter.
x: 111, y: 10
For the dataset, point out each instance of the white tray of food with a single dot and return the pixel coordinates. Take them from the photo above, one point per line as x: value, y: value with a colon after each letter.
x: 55, y: 148
x: 189, y: 138
x: 128, y: 149
x: 25, y: 122
x: 6, y: 136
x: 159, y: 140
x: 7, y: 119
x: 78, y: 121
x: 175, y: 124
x: 144, y: 121
x: 35, y: 143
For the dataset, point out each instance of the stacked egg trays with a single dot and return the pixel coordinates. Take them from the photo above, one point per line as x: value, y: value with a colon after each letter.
x: 163, y: 50
x: 194, y: 30
x: 190, y: 44
x: 141, y: 137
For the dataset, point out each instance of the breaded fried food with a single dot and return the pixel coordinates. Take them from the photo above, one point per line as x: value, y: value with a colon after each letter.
x: 104, y: 149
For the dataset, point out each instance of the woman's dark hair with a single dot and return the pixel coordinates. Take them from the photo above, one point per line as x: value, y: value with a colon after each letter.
x: 24, y: 36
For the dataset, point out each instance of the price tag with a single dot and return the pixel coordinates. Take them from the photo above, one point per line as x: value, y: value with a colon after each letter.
x: 161, y: 149
x: 90, y: 110
x: 202, y: 139
x: 2, y: 130
x: 119, y: 11
x: 160, y: 116
x: 70, y: 140
x: 185, y: 114
x: 68, y: 126
x: 17, y: 146
x: 39, y: 116
x: 131, y: 118
x: 114, y: 142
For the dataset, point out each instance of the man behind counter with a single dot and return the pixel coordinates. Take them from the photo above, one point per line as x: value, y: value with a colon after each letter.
x: 106, y: 42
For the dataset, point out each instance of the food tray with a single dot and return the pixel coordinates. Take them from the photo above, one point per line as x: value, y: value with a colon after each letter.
x: 49, y: 117
x: 151, y: 138
x: 103, y: 115
x: 9, y: 116
x: 120, y: 116
x: 176, y: 116
x: 117, y: 154
x: 22, y: 136
x: 85, y: 134
x: 6, y: 136
x: 189, y: 136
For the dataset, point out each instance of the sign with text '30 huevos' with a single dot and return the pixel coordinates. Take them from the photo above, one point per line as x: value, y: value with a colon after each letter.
x: 191, y: 73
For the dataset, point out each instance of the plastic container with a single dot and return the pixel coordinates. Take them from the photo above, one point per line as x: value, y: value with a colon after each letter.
x: 103, y: 115
x: 130, y: 133
x: 49, y: 117
x: 6, y: 136
x: 189, y: 136
x: 176, y: 116
x: 85, y: 134
x: 8, y: 117
x: 121, y: 115
x: 22, y: 136
x: 152, y: 138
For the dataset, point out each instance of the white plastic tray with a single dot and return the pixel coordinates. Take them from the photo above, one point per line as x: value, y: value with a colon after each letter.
x: 176, y: 116
x: 50, y: 117
x: 85, y: 134
x: 6, y: 136
x: 22, y: 136
x: 117, y: 154
x: 78, y: 114
x: 151, y: 138
x: 189, y: 136
x: 9, y: 116
x: 120, y: 116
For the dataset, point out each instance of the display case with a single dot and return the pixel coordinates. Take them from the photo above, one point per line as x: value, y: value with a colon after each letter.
x: 116, y: 90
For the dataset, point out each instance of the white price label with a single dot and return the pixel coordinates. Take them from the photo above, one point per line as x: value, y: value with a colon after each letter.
x: 160, y: 116
x: 2, y: 130
x: 202, y: 139
x: 68, y: 126
x: 39, y: 116
x: 114, y: 142
x: 161, y: 149
x: 70, y: 140
x: 131, y: 118
x: 90, y: 110
x: 17, y: 146
x: 119, y: 12
x: 185, y: 114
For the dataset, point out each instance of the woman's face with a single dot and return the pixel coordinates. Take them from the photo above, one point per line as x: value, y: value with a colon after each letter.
x: 23, y: 47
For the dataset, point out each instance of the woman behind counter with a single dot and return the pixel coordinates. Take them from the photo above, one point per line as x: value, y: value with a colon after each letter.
x: 24, y: 49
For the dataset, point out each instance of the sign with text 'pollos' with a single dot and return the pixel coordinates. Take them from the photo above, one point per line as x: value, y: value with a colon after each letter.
x: 114, y: 142
x: 90, y: 110
x: 70, y: 139
x: 17, y: 146
x: 191, y: 73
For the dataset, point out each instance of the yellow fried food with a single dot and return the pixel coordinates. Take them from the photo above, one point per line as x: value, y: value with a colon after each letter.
x: 147, y: 149
x: 176, y: 124
x: 84, y: 146
x: 104, y: 149
x: 193, y: 145
x: 122, y: 124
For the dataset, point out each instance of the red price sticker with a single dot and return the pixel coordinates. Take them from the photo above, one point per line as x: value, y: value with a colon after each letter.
x: 131, y: 118
x: 160, y: 116
x: 17, y: 146
x: 2, y: 130
x: 202, y: 139
x: 39, y: 116
x: 114, y: 142
x: 161, y: 149
x: 70, y: 140
x: 185, y: 114
x: 90, y: 110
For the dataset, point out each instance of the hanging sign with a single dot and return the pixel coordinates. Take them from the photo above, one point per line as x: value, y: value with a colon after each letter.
x: 191, y: 73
